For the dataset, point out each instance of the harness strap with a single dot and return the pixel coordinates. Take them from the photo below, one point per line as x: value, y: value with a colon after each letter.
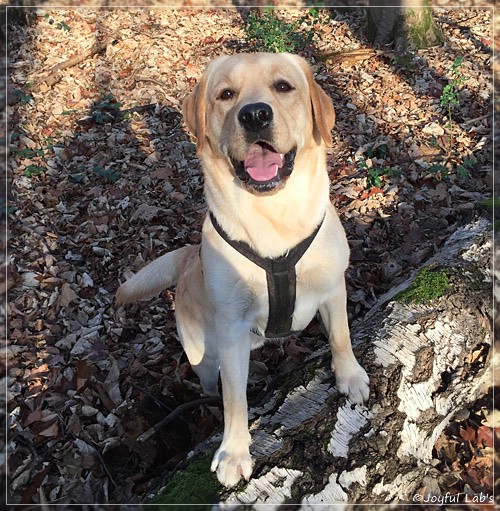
x: 281, y: 279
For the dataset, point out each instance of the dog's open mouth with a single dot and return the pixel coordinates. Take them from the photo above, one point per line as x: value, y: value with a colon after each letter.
x: 263, y: 168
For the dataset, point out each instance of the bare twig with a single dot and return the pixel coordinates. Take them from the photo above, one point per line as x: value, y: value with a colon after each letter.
x: 140, y: 108
x: 476, y: 119
x: 152, y: 80
x: 351, y: 55
x: 175, y: 413
x: 151, y: 396
x: 54, y: 76
x: 93, y: 445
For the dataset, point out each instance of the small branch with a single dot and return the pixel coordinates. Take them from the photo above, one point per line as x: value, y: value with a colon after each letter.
x: 175, y: 413
x: 93, y: 445
x: 351, y: 55
x: 152, y: 80
x: 53, y: 75
x: 482, y: 117
x: 140, y: 108
x: 151, y: 396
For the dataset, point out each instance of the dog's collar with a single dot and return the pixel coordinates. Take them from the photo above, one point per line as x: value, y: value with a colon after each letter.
x: 281, y: 279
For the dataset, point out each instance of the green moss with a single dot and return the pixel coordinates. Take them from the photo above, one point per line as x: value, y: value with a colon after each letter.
x: 194, y: 485
x: 422, y: 28
x: 428, y: 285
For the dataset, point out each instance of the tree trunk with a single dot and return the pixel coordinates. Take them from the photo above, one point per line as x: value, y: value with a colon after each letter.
x: 426, y: 362
x: 406, y: 23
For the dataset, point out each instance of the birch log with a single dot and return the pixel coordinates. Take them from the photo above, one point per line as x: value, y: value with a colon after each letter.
x: 314, y: 447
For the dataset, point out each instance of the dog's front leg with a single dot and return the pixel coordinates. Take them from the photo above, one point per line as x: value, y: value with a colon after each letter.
x: 232, y: 460
x: 350, y: 377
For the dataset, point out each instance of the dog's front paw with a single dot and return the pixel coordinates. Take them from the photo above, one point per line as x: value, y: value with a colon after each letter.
x: 352, y: 380
x: 231, y: 466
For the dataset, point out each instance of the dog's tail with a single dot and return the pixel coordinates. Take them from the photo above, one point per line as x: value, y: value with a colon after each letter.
x: 155, y: 277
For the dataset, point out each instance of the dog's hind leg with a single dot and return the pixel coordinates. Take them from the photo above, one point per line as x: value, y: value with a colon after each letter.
x: 197, y: 343
x: 194, y: 316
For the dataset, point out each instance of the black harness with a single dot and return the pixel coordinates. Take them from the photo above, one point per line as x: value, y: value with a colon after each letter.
x: 281, y: 280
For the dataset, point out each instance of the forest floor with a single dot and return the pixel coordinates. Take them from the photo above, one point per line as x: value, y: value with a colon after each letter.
x: 105, y: 178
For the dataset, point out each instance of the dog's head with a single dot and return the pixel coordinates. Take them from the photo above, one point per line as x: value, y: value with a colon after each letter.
x: 258, y: 111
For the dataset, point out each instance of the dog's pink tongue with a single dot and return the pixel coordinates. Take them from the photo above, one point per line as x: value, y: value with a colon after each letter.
x: 261, y: 163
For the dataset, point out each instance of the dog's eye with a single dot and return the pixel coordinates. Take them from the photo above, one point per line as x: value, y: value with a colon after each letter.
x: 226, y: 94
x: 283, y: 86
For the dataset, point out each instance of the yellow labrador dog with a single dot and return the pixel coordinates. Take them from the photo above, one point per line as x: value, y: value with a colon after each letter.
x: 273, y: 250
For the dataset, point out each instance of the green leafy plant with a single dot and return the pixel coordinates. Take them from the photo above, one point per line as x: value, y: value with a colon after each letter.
x: 29, y: 153
x: 5, y: 209
x: 450, y: 96
x: 106, y: 110
x: 439, y: 171
x: 70, y: 112
x: 59, y: 25
x: 462, y: 170
x: 36, y: 155
x: 32, y: 170
x: 62, y: 26
x: 107, y: 174
x: 268, y: 33
x: 375, y: 175
x: 23, y: 97
x: 381, y: 151
x: 449, y: 99
x: 51, y: 144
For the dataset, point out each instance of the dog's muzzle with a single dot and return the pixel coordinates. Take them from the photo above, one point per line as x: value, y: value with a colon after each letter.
x: 264, y: 169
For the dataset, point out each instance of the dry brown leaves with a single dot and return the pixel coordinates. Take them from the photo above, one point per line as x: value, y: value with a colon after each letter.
x: 464, y: 453
x: 105, y: 178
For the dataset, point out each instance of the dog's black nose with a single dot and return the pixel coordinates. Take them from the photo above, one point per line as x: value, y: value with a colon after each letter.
x: 255, y: 116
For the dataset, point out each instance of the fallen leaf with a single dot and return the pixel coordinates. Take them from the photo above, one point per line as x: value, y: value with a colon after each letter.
x: 469, y: 434
x: 145, y: 212
x: 295, y: 351
x: 374, y: 190
x: 66, y: 295
x: 433, y: 129
x: 485, y: 436
x: 162, y: 173
x: 51, y: 431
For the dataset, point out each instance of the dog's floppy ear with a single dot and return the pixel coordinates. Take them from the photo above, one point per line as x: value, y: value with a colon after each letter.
x: 193, y: 111
x: 322, y: 106
x: 323, y: 111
